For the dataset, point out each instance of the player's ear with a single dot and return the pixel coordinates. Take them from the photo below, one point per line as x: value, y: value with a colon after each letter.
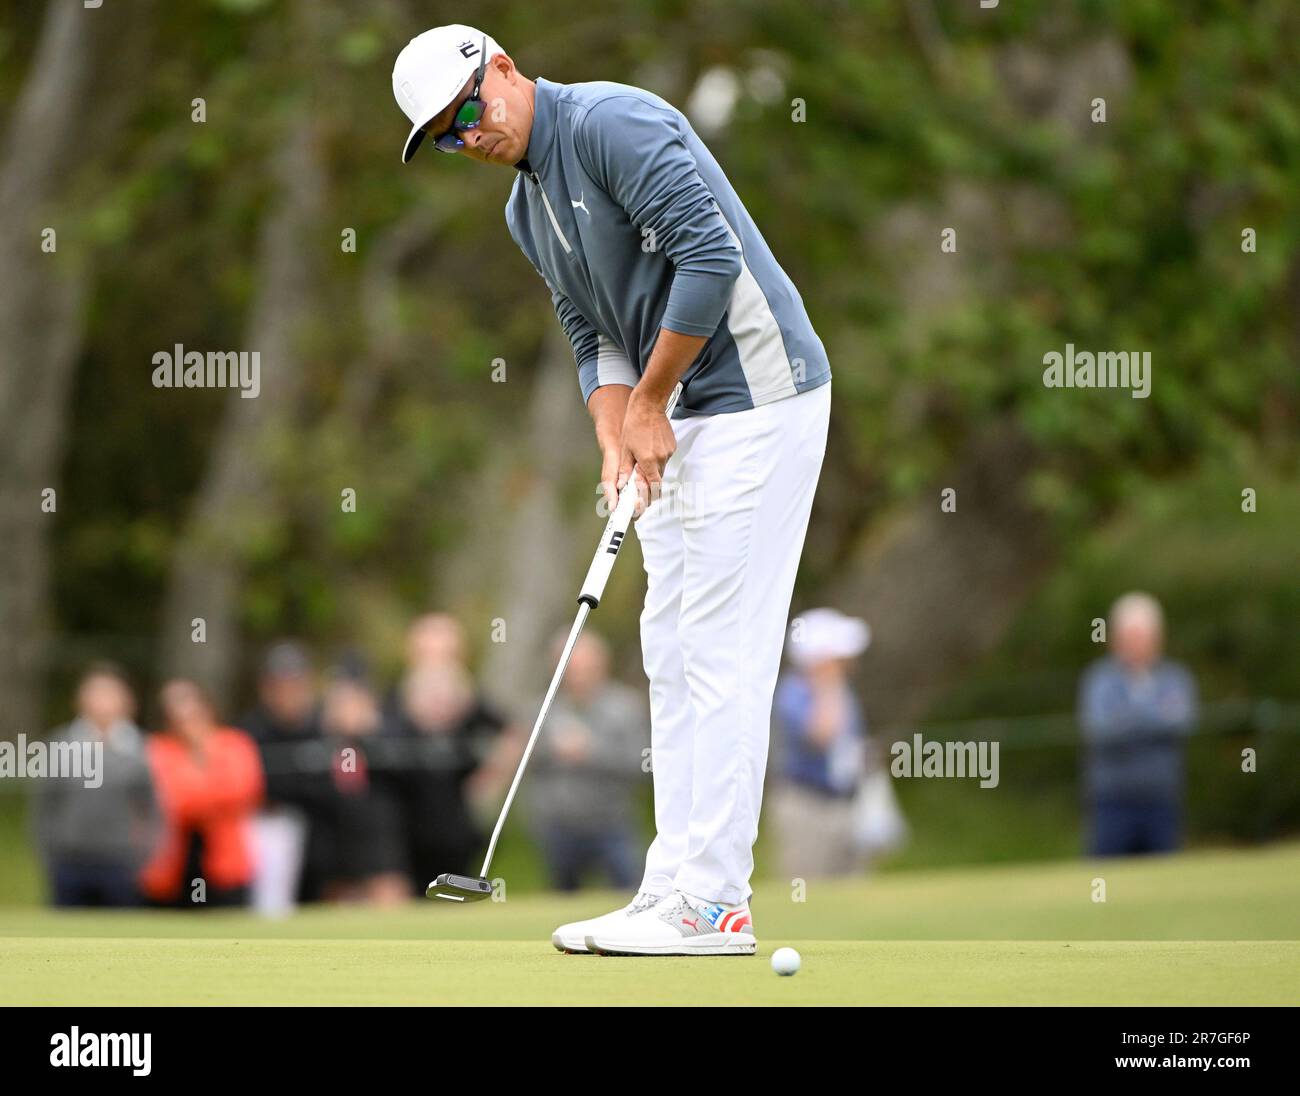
x: 504, y: 65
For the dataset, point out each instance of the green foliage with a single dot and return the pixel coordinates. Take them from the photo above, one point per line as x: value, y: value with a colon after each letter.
x: 1226, y: 579
x: 1122, y: 235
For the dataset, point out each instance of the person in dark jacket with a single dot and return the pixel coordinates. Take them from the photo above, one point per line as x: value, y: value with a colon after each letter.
x: 458, y: 752
x: 1136, y: 709
x: 370, y: 854
x: 452, y: 733
x: 286, y: 725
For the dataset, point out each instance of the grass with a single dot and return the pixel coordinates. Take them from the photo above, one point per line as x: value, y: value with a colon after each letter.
x: 1204, y: 928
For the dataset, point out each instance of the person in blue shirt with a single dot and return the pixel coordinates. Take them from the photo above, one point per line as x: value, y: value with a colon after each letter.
x: 1136, y: 709
x: 822, y: 738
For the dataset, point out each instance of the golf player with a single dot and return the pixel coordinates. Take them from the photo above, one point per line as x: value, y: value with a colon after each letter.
x: 658, y: 275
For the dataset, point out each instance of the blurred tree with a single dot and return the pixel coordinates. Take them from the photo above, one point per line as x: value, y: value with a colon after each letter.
x: 238, y: 498
x: 44, y: 281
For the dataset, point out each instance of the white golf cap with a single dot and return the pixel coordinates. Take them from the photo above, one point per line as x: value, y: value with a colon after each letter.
x: 430, y: 72
x: 822, y: 634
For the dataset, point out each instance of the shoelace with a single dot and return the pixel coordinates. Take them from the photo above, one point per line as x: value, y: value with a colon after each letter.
x: 644, y: 901
x: 680, y: 905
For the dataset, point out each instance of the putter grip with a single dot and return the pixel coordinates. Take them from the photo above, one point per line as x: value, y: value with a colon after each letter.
x: 611, y: 540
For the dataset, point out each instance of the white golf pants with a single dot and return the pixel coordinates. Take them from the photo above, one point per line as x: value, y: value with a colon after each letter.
x: 721, y: 549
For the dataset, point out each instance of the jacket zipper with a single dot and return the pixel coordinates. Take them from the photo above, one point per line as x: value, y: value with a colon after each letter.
x: 551, y: 214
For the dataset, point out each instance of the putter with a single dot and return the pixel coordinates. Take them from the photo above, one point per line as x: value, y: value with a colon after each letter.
x: 466, y: 888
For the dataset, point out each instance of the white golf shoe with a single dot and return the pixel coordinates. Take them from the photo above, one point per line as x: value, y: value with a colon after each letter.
x: 572, y: 937
x: 678, y: 925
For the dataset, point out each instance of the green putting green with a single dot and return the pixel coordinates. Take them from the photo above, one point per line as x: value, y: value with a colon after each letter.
x: 1203, y: 928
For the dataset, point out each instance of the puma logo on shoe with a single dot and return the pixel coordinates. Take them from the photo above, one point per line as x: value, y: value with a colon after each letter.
x: 694, y: 924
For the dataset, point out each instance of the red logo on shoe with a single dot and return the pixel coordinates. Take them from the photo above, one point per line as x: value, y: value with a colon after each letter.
x: 694, y: 924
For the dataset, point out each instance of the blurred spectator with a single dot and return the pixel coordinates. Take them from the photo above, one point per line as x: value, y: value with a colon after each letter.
x: 1135, y: 709
x: 453, y: 729
x: 93, y: 840
x: 831, y: 808
x: 294, y: 829
x: 435, y: 640
x: 365, y: 827
x: 586, y: 770
x: 209, y: 782
x: 463, y: 751
x: 286, y: 695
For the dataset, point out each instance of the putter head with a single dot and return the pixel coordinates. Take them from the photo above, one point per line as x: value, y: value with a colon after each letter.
x: 459, y: 888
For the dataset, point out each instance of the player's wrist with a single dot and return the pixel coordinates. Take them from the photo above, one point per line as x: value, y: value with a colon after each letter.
x: 647, y: 399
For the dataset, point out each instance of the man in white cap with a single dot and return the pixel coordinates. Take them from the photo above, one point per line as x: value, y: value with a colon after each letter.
x: 658, y: 275
x: 822, y: 755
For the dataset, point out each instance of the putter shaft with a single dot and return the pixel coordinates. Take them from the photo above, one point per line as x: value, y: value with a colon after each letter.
x: 588, y: 599
x: 584, y: 611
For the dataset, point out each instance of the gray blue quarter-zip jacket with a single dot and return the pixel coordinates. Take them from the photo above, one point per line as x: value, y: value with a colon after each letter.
x: 1134, y: 731
x: 633, y: 225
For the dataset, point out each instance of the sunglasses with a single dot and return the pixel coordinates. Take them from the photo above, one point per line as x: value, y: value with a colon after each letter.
x: 469, y: 114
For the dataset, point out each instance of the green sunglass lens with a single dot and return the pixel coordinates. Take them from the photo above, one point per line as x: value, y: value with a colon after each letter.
x: 470, y: 114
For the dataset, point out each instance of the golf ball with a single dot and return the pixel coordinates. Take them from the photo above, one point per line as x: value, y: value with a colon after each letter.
x: 785, y: 961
